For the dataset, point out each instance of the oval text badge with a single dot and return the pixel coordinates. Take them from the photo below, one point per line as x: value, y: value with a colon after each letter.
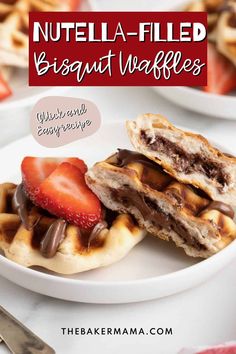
x: 56, y: 121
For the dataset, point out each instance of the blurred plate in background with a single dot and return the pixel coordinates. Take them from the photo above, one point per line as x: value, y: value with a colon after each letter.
x: 218, y: 106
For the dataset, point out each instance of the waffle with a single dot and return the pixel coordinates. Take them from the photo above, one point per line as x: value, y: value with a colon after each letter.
x: 186, y: 156
x: 221, y: 24
x: 27, y: 238
x: 212, y: 7
x: 226, y: 39
x: 14, y: 27
x: 128, y: 182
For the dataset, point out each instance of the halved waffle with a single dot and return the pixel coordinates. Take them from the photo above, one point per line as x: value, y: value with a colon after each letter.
x: 128, y: 182
x: 188, y: 157
x: 14, y: 27
x: 77, y: 251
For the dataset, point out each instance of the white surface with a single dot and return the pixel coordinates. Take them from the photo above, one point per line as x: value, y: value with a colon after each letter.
x: 203, y: 315
x: 135, y: 5
x: 168, y: 270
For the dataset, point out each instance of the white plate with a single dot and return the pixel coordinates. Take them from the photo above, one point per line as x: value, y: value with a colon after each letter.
x: 218, y: 106
x: 153, y: 269
x: 24, y: 95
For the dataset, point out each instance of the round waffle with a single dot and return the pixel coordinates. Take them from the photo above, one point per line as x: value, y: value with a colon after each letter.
x: 75, y: 252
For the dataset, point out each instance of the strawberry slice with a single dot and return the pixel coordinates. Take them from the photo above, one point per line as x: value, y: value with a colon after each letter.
x: 221, y: 73
x: 5, y: 90
x: 35, y: 170
x: 65, y: 194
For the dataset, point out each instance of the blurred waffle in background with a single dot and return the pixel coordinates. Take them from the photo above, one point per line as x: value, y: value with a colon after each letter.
x: 14, y: 34
x: 222, y: 43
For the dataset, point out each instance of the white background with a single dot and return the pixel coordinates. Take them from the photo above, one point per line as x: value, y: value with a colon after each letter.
x: 204, y: 315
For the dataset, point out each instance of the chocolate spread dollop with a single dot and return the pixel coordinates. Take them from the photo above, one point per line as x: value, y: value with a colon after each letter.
x: 21, y: 205
x: 52, y: 239
x: 153, y: 213
x: 98, y: 228
x: 55, y: 234
x: 125, y: 157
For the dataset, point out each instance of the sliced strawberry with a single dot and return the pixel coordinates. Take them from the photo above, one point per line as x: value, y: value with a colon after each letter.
x: 65, y: 194
x: 36, y: 169
x: 221, y: 73
x: 5, y: 90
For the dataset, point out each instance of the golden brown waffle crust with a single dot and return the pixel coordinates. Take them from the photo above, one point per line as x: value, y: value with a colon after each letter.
x: 70, y: 257
x: 226, y: 40
x: 104, y: 178
x: 155, y: 125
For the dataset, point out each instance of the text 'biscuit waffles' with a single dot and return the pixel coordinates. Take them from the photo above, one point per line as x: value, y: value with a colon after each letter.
x: 31, y: 237
x: 128, y: 182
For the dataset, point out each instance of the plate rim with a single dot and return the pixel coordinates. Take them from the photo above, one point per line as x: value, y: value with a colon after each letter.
x: 135, y: 282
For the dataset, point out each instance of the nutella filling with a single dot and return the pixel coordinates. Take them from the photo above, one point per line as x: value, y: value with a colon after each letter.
x: 53, y: 238
x: 152, y: 212
x: 21, y: 205
x: 185, y: 162
x: 98, y: 228
x: 232, y: 20
x: 48, y: 239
